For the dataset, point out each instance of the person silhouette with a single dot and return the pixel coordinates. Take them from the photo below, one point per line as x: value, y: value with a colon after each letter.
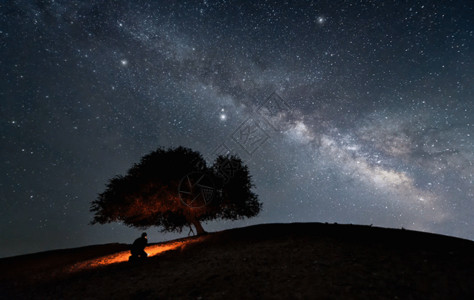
x: 138, y: 248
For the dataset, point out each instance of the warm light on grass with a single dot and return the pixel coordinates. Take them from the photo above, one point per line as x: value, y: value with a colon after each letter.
x: 123, y: 256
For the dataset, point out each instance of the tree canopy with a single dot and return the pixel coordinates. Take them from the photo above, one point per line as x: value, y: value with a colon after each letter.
x: 173, y: 188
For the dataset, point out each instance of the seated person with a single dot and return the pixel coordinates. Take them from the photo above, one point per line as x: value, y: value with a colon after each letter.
x: 138, y: 248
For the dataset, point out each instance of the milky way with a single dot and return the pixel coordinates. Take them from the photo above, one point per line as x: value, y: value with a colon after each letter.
x: 344, y: 111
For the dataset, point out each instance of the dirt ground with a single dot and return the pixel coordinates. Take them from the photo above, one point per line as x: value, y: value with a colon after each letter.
x: 271, y: 261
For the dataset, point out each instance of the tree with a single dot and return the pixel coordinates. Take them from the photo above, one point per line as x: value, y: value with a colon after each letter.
x: 175, y: 188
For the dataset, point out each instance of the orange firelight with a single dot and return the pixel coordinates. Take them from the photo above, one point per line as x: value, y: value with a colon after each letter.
x: 123, y: 256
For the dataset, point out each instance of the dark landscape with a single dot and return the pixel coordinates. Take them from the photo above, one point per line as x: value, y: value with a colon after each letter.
x: 269, y: 261
x: 186, y: 118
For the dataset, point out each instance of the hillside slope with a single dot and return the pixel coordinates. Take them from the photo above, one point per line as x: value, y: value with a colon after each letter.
x: 278, y: 261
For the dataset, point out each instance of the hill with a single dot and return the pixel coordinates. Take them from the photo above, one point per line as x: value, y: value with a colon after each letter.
x: 278, y: 261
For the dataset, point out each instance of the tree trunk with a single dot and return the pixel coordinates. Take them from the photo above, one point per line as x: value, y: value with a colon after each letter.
x: 198, y: 226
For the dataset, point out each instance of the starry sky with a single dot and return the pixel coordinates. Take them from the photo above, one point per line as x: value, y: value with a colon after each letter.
x: 345, y: 111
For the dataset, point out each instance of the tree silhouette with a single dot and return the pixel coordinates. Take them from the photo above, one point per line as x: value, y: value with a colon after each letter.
x: 174, y: 188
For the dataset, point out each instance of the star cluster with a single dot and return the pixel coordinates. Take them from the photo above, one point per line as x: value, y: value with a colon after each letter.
x: 344, y: 111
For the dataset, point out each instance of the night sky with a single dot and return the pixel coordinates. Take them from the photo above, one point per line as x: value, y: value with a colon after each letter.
x: 345, y: 111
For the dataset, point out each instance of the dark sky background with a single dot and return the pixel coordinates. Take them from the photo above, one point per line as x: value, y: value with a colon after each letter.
x: 358, y: 111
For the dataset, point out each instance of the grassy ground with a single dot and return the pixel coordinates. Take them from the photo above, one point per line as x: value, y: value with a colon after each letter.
x: 276, y: 261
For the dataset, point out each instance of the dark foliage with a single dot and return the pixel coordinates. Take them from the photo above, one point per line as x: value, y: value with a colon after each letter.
x: 150, y: 194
